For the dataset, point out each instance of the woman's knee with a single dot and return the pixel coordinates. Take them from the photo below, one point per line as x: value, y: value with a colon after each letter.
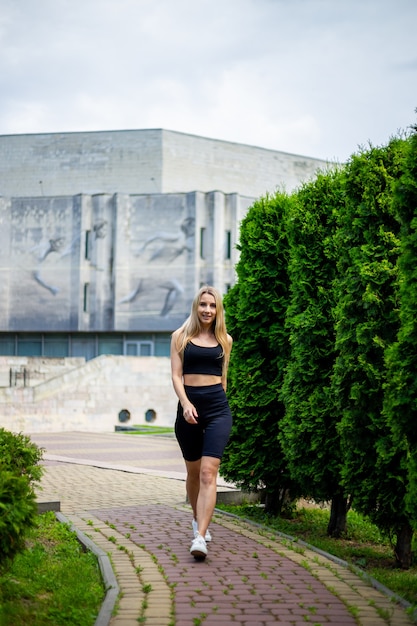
x: 209, y: 470
x: 193, y: 469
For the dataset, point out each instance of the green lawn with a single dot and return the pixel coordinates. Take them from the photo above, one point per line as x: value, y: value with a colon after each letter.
x: 145, y: 429
x: 53, y: 582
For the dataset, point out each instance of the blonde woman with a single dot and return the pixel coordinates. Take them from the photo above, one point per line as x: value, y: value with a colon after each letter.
x: 200, y: 352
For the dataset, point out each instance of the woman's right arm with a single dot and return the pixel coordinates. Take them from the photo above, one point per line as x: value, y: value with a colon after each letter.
x: 189, y: 410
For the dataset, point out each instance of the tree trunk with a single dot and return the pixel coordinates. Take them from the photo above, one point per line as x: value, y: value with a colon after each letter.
x: 403, y: 552
x: 276, y: 500
x: 338, y: 516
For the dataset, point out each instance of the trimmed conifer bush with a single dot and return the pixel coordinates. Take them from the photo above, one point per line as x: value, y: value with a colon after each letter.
x: 19, y: 472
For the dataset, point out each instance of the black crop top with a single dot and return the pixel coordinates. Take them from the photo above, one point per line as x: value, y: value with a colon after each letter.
x: 202, y: 360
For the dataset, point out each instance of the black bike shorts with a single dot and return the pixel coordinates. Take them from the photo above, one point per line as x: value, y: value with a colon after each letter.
x: 210, y: 435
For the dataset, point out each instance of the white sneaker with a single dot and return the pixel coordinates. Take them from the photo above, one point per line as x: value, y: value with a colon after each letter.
x: 207, y: 536
x: 198, y: 547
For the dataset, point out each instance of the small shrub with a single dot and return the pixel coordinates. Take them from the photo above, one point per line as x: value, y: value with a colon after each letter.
x: 19, y: 454
x: 19, y: 471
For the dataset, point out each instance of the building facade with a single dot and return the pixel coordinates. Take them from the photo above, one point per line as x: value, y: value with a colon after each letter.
x: 105, y: 238
x: 87, y: 275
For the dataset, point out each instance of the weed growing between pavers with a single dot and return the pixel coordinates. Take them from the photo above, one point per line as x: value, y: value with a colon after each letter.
x: 364, y: 546
x: 147, y: 587
x: 200, y: 585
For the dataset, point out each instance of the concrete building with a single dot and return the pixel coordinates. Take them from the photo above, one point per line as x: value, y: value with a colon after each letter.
x: 143, y: 162
x: 105, y: 238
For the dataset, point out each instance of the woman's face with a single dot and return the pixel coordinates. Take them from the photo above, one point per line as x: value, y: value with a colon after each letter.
x: 207, y: 309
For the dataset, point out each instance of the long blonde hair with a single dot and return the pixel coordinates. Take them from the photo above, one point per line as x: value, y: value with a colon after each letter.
x: 192, y: 326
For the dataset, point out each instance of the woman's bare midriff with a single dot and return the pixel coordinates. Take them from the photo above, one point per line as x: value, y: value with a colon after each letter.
x: 201, y: 380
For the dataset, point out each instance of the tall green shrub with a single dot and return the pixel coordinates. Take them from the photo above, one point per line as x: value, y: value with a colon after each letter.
x: 19, y: 472
x: 309, y: 435
x: 255, y: 309
x: 400, y: 406
x: 367, y: 322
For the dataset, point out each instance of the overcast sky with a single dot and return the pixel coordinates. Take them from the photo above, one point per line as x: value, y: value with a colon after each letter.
x: 311, y: 77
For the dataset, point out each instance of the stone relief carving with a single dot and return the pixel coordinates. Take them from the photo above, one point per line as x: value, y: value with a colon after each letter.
x: 66, y: 271
x: 165, y: 247
x: 170, y: 245
x: 43, y: 250
x: 172, y: 286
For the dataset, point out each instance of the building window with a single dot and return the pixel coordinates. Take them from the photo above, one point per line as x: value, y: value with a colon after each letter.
x: 138, y: 348
x: 55, y: 346
x: 87, y: 251
x: 162, y: 345
x: 110, y: 344
x: 124, y: 415
x: 85, y: 345
x: 228, y: 250
x: 150, y: 416
x: 86, y: 297
x: 202, y: 243
x: 7, y: 345
x: 29, y: 345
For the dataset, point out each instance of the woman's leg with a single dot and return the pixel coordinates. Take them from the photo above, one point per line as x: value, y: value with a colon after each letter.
x: 206, y: 500
x: 193, y: 483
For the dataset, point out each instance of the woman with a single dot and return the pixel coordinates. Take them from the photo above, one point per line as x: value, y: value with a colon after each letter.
x: 200, y: 352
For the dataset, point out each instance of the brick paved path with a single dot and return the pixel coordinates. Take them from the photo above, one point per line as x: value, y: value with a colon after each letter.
x: 127, y: 494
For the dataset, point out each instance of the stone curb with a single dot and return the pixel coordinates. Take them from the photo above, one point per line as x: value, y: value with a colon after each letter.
x: 109, y: 578
x: 134, y: 602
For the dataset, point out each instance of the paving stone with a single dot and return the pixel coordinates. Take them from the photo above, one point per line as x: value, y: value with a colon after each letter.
x: 131, y: 489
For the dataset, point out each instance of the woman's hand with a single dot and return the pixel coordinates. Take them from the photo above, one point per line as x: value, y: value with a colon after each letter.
x: 190, y: 413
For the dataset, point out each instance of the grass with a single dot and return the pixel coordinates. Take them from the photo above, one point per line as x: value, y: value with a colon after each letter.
x: 53, y: 582
x: 363, y: 546
x: 145, y: 429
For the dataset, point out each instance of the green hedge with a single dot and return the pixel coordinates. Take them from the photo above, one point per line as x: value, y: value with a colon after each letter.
x: 322, y: 380
x: 19, y: 472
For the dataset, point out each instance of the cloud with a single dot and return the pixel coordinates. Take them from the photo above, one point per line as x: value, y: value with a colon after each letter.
x: 314, y: 77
